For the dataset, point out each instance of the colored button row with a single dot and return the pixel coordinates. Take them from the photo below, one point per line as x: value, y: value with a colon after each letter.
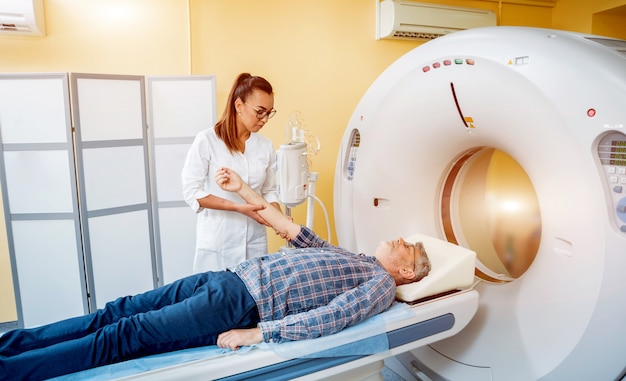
x: 456, y: 61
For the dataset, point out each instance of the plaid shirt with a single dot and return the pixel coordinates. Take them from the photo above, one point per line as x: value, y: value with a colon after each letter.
x: 315, y: 289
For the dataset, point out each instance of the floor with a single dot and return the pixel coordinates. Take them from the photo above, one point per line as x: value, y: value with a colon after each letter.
x: 390, y: 375
x: 7, y: 326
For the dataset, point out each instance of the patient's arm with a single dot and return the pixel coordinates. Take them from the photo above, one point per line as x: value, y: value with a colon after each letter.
x: 219, y: 203
x: 230, y: 181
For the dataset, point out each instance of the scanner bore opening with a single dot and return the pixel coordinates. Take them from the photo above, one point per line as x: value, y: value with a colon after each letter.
x: 489, y: 205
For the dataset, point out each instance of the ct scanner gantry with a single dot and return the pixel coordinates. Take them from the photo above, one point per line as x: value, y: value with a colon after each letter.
x: 510, y: 141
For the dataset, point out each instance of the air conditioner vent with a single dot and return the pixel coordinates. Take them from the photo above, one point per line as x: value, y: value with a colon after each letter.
x: 15, y: 28
x: 417, y: 35
x: 424, y: 21
x: 22, y: 17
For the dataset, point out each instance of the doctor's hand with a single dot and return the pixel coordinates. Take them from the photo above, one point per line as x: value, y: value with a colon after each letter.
x: 228, y: 180
x: 251, y: 210
x: 236, y: 338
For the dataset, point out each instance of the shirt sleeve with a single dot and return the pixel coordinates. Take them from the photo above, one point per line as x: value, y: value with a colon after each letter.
x: 195, y: 171
x: 308, y: 238
x: 349, y: 308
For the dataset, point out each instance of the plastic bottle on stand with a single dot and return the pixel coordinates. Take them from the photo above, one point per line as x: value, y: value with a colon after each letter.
x: 294, y: 132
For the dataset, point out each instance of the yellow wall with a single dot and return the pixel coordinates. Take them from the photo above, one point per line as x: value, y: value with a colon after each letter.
x: 105, y: 36
x: 148, y: 37
x: 320, y: 55
x: 590, y: 17
x: 610, y: 22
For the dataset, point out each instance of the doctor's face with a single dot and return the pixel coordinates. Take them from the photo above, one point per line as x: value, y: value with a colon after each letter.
x: 256, y: 110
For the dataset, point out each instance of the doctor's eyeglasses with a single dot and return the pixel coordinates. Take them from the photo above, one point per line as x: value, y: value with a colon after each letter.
x: 261, y: 112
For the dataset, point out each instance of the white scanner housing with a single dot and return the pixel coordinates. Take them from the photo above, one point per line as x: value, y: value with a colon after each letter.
x: 551, y: 101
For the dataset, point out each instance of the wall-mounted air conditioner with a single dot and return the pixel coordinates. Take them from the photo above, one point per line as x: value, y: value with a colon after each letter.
x: 22, y: 17
x: 399, y: 19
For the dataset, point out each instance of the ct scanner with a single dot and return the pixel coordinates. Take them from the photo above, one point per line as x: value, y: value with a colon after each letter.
x: 510, y: 141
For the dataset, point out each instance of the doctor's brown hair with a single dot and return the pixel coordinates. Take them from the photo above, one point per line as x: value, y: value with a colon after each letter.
x: 226, y: 127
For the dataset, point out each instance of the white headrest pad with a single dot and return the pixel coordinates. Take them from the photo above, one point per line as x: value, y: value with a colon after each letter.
x: 452, y: 267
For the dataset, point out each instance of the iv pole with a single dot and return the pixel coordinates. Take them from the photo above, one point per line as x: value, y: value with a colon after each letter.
x: 295, y: 182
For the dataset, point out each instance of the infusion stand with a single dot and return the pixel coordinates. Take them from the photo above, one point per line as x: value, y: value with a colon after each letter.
x: 294, y: 181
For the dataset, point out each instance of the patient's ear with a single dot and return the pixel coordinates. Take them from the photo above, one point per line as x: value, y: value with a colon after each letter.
x: 407, y: 273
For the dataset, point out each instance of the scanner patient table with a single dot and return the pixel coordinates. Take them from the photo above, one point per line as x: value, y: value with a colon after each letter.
x: 437, y: 307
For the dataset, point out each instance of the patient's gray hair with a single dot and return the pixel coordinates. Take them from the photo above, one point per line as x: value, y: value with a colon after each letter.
x: 423, y: 263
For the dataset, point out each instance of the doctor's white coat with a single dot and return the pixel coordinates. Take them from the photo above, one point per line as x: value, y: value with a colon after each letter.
x: 225, y: 238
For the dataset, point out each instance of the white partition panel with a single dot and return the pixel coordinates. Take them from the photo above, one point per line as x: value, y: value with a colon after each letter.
x: 112, y: 156
x: 178, y: 232
x: 18, y: 97
x: 110, y: 108
x: 39, y: 181
x: 114, y: 176
x: 120, y: 253
x: 168, y: 162
x: 178, y: 108
x: 39, y: 197
x: 177, y: 222
x: 49, y: 274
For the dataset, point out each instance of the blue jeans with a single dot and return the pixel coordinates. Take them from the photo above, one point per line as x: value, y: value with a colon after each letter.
x: 190, y: 312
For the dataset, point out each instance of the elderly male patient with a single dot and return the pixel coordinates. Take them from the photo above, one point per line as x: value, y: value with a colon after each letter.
x: 313, y: 290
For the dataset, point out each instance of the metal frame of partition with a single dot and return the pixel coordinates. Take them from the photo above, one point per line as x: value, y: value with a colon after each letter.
x: 110, y: 132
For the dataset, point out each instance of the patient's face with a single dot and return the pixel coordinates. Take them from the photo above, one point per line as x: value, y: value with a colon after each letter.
x: 396, y: 252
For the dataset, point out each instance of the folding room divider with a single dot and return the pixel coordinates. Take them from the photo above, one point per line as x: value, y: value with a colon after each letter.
x: 90, y: 173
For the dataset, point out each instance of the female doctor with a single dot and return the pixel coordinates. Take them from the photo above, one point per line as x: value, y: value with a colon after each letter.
x: 228, y: 229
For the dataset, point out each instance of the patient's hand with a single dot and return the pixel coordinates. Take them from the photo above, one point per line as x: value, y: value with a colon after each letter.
x: 228, y: 180
x: 236, y: 338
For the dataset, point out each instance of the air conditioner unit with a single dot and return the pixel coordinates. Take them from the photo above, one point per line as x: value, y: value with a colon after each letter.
x: 411, y: 20
x: 22, y: 17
